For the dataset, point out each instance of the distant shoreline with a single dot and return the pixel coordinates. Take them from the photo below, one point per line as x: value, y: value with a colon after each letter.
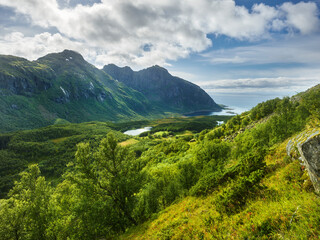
x: 226, y: 111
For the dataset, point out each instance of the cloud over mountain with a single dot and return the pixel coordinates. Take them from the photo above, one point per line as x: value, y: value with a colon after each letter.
x: 138, y: 33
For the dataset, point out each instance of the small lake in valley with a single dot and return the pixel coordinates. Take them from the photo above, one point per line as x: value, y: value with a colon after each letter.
x: 136, y: 132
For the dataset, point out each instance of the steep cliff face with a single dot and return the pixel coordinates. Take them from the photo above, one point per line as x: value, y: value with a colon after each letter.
x: 163, y: 89
x: 77, y: 79
x: 20, y: 76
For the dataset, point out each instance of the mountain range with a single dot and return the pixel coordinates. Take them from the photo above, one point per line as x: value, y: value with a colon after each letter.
x: 65, y: 86
x: 160, y: 87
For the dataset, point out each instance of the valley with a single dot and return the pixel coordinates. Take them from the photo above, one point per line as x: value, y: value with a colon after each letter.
x: 186, y: 178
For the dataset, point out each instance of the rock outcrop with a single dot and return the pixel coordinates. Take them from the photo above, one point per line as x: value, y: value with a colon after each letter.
x: 310, y: 153
x: 306, y: 146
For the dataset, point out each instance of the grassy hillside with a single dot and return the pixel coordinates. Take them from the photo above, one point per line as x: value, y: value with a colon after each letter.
x: 285, y: 207
x: 258, y: 192
x: 231, y: 182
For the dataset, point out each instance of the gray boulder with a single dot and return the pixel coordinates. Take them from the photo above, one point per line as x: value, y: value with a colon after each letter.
x: 306, y: 147
x: 310, y: 154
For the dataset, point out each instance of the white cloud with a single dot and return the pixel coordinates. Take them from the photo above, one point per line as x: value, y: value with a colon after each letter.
x: 262, y: 83
x: 33, y: 47
x: 297, y: 17
x: 248, y: 92
x: 302, y: 50
x: 116, y: 30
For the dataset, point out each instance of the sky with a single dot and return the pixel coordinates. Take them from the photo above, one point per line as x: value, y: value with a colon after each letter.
x: 240, y: 51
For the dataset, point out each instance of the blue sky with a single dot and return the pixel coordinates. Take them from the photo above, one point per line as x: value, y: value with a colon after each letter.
x: 241, y: 52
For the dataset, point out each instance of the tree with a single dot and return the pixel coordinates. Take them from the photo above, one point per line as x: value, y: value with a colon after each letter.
x: 24, y: 215
x: 285, y: 109
x: 114, y: 172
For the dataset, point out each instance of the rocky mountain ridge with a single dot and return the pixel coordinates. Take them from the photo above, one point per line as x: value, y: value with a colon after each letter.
x: 159, y: 86
x: 65, y: 86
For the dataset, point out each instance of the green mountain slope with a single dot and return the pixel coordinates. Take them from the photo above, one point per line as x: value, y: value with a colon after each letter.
x: 62, y: 85
x: 163, y: 89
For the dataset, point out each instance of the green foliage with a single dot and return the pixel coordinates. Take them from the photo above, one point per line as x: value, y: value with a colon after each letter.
x: 235, y: 197
x: 195, y: 124
x: 251, y: 169
x: 162, y: 188
x: 214, y: 153
x: 25, y: 215
x: 60, y: 121
x: 264, y: 109
x: 207, y: 183
x: 52, y: 147
x: 189, y: 173
x: 113, y: 171
x: 10, y: 165
x: 240, y: 182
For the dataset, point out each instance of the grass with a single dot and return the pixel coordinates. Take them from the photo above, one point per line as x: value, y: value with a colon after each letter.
x: 59, y: 140
x: 283, y: 209
x: 128, y: 142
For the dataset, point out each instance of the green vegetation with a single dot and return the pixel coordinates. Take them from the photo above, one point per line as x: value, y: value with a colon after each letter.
x: 51, y: 147
x: 230, y: 182
x: 54, y: 146
x: 39, y: 93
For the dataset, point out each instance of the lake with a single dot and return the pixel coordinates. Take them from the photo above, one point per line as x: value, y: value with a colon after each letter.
x: 136, y: 132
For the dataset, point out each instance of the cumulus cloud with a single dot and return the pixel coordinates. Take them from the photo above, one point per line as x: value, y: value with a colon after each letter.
x: 19, y: 45
x: 117, y: 30
x: 296, y: 17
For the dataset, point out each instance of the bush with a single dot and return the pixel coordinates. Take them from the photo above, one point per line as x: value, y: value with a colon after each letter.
x: 233, y: 198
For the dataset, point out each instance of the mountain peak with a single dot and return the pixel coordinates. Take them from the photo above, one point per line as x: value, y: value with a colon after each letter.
x: 71, y: 53
x: 161, y: 88
x: 65, y: 55
x: 157, y: 68
x: 115, y: 67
